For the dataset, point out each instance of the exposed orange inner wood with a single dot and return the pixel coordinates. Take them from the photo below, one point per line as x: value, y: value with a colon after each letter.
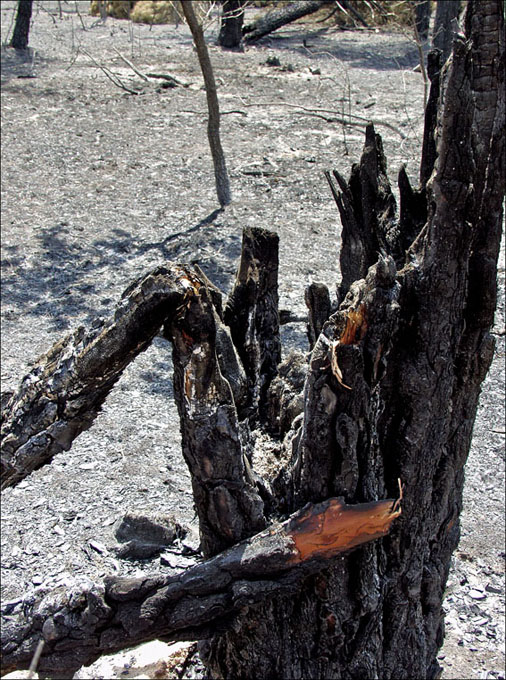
x: 356, y: 326
x: 332, y: 527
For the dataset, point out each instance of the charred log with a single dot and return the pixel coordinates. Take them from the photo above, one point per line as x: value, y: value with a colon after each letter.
x: 280, y: 16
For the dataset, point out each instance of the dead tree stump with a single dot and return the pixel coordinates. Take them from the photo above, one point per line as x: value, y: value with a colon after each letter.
x: 337, y: 588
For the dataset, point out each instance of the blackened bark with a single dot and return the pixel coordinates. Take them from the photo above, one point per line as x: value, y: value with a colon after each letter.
x: 413, y: 344
x: 252, y: 314
x: 226, y: 498
x: 280, y: 16
x: 434, y: 64
x: 22, y: 26
x: 446, y: 12
x: 367, y: 208
x: 232, y: 17
x: 412, y: 210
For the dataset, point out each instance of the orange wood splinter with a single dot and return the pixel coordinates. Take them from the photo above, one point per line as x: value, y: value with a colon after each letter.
x: 331, y: 527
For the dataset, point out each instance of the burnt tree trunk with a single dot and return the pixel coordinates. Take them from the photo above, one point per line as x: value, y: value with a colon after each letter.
x: 422, y: 18
x: 446, y: 12
x: 232, y: 18
x: 390, y: 393
x: 22, y: 26
x: 412, y: 342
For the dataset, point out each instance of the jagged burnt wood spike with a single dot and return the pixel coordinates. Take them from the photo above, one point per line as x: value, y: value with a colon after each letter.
x: 251, y: 312
x: 81, y: 622
x: 377, y: 202
x: 317, y: 299
x: 63, y: 393
x: 225, y: 494
x: 429, y: 152
x: 335, y: 193
x: 368, y: 214
x: 412, y: 210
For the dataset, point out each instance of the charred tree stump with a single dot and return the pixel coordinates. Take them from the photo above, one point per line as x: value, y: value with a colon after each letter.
x: 232, y: 18
x: 390, y: 394
x: 392, y: 391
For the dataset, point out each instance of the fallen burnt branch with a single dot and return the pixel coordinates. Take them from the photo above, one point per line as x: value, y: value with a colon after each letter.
x: 280, y: 16
x: 113, y: 77
x: 80, y: 623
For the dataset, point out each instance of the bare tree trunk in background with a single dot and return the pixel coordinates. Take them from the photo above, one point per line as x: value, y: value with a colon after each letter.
x: 213, y: 125
x: 102, y: 8
x: 446, y: 12
x: 22, y: 27
x: 232, y: 18
x: 422, y: 18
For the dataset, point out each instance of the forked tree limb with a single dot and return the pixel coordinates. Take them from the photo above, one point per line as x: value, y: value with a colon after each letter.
x: 80, y: 623
x: 64, y: 391
x: 66, y: 388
